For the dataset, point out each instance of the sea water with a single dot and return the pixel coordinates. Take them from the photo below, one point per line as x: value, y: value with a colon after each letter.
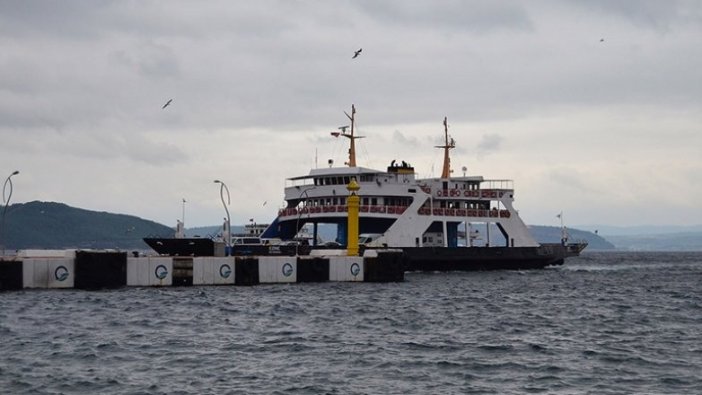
x: 604, y: 323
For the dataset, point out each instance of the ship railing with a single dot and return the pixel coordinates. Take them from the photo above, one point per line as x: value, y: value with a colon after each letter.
x: 396, y: 210
x: 464, y: 212
x: 497, y: 184
x: 472, y: 193
x: 329, y: 209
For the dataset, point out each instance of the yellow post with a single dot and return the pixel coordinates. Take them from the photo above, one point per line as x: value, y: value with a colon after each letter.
x: 352, y: 228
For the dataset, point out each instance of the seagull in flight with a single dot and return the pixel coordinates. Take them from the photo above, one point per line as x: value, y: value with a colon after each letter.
x: 167, y: 103
x: 602, y: 40
x: 356, y: 53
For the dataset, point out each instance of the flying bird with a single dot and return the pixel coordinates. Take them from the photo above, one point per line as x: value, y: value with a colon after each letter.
x: 167, y: 103
x: 602, y: 40
x: 356, y: 53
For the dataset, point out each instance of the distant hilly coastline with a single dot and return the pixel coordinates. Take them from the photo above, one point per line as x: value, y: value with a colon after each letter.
x: 650, y: 237
x: 50, y: 225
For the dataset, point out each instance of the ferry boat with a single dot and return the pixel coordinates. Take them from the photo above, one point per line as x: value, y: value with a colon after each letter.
x: 436, y: 222
x: 425, y: 217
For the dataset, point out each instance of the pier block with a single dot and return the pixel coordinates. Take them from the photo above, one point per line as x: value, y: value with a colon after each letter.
x: 48, y: 273
x: 384, y: 266
x: 277, y: 269
x: 150, y: 271
x: 182, y: 274
x: 312, y: 270
x: 10, y: 275
x: 94, y: 270
x: 246, y: 271
x: 346, y: 268
x: 213, y: 271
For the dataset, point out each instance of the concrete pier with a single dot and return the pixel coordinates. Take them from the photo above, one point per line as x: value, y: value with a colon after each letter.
x: 107, y: 269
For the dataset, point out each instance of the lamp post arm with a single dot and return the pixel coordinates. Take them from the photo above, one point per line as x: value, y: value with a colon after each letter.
x: 223, y: 187
x: 8, y: 181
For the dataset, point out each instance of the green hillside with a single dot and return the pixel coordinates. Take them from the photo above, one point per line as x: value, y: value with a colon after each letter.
x: 49, y: 225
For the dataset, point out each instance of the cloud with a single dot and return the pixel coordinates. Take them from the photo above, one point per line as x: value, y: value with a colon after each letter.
x: 400, y: 138
x: 257, y: 88
x: 478, y: 16
x: 488, y: 144
x: 657, y: 15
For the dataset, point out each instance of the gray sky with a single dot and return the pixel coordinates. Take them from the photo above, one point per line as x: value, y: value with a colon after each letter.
x: 608, y: 132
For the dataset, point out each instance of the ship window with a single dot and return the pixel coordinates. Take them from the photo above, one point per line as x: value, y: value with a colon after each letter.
x: 347, y: 180
x: 374, y: 201
x: 365, y: 201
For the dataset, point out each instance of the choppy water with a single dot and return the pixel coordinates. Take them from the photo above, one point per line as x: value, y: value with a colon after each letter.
x: 605, y: 323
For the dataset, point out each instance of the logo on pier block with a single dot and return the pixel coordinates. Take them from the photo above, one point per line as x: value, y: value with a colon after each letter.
x: 61, y: 273
x: 355, y: 269
x: 161, y: 272
x: 287, y: 269
x: 225, y: 271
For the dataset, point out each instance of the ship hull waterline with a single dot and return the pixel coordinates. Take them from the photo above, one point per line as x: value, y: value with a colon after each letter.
x: 444, y: 259
x: 423, y: 259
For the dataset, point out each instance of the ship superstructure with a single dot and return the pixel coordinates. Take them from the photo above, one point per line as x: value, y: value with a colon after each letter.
x: 405, y: 210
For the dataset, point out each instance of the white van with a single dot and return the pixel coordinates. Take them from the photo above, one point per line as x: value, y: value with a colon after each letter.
x: 367, y: 238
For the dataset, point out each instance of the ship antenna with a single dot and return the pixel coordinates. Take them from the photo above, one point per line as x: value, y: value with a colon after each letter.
x: 350, y: 136
x: 448, y: 144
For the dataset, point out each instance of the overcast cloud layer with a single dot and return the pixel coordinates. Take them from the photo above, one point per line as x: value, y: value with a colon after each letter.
x: 593, y: 108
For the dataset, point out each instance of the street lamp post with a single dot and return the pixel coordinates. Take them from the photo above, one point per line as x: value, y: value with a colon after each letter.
x: 8, y: 181
x: 228, y: 239
x: 183, y: 217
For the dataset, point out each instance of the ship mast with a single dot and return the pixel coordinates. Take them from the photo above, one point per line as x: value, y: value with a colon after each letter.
x: 350, y: 136
x: 446, y: 170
